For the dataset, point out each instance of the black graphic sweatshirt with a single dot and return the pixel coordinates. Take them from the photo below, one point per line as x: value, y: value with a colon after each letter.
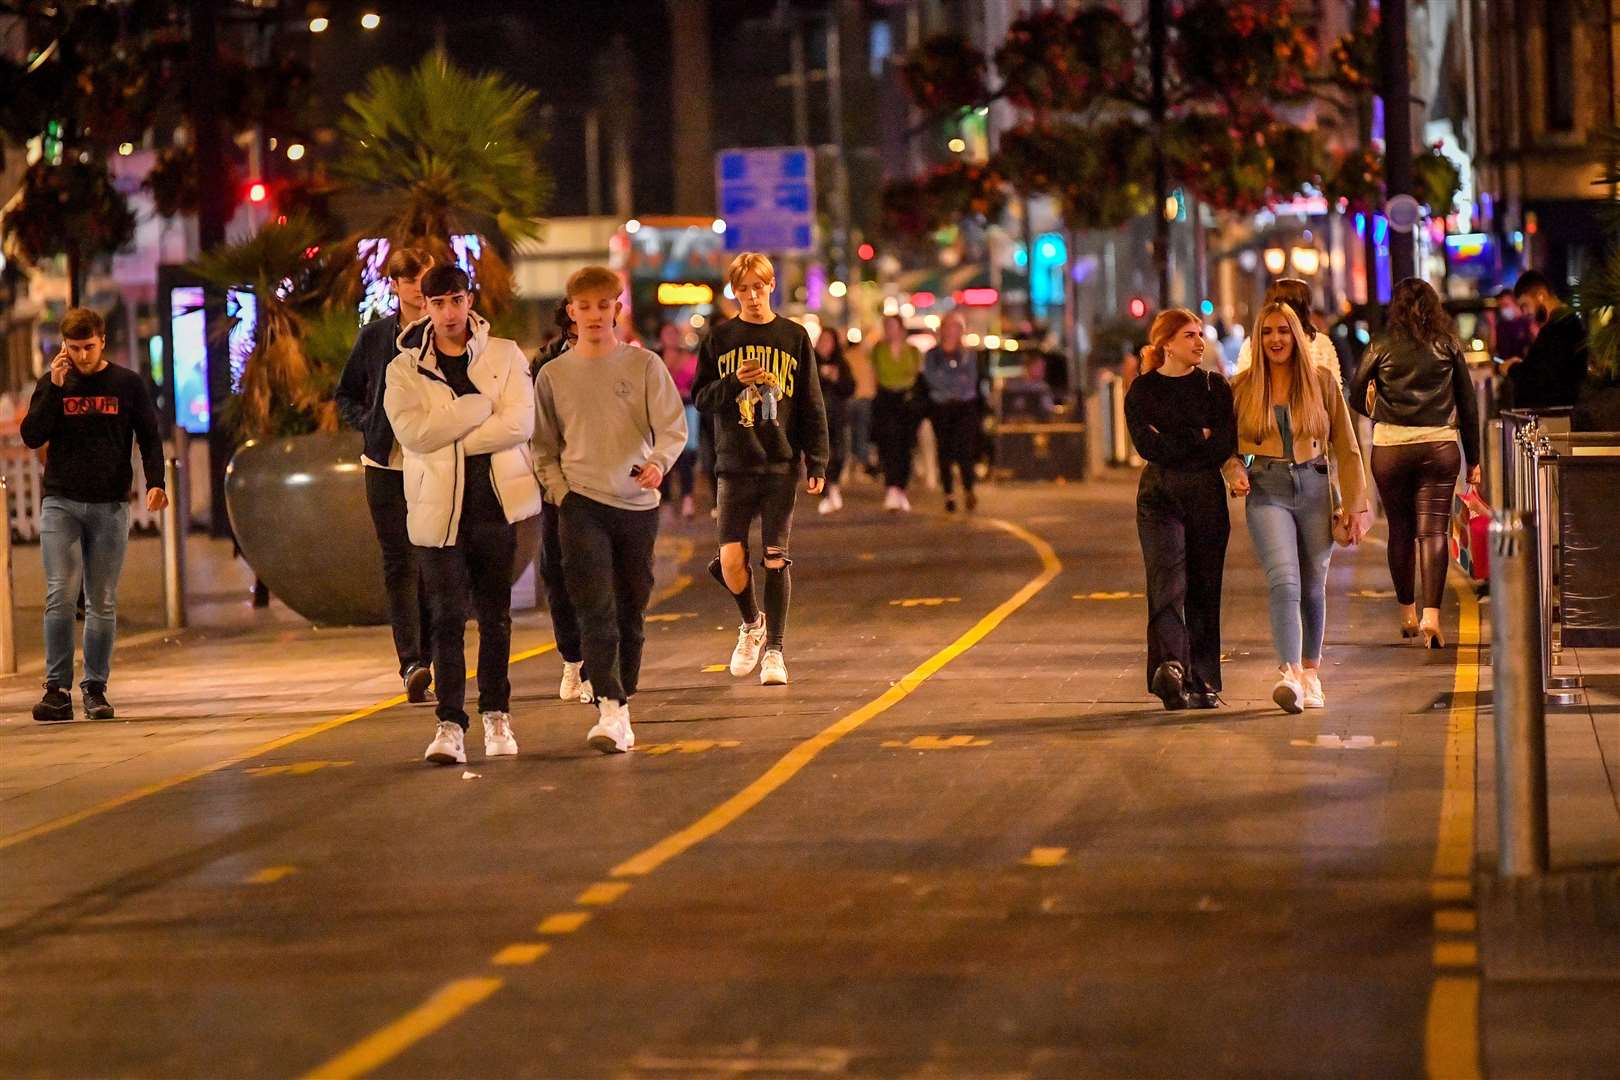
x: 90, y: 423
x: 781, y: 347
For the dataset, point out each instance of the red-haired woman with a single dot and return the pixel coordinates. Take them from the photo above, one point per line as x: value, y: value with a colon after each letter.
x: 1181, y: 420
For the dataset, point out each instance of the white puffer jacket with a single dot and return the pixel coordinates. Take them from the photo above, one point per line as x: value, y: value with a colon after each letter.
x: 438, y: 430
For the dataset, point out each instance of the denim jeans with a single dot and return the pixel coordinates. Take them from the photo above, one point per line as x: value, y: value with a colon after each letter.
x: 81, y: 540
x: 1290, y: 516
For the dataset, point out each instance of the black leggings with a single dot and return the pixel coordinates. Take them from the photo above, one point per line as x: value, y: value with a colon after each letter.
x: 956, y: 438
x: 1416, y: 482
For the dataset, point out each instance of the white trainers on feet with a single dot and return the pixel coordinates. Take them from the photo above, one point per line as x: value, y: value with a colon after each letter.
x: 773, y: 669
x: 891, y: 499
x: 901, y: 503
x: 568, y: 689
x: 587, y: 693
x: 750, y: 639
x: 498, y: 738
x: 611, y: 734
x: 449, y: 745
x: 1312, y: 685
x: 1288, y: 694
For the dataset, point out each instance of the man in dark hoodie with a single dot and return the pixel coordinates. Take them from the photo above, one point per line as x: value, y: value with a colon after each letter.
x: 745, y: 367
x: 1552, y: 372
x: 360, y: 403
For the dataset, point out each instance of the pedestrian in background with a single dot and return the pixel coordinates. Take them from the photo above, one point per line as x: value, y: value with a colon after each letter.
x: 895, y: 411
x: 1296, y: 293
x: 359, y: 401
x: 1181, y: 420
x: 1294, y: 431
x: 575, y: 684
x: 837, y: 387
x: 462, y: 407
x: 610, y: 425
x: 951, y: 375
x: 682, y: 364
x: 1413, y: 382
x: 859, y: 356
x: 91, y: 414
x: 1554, y: 369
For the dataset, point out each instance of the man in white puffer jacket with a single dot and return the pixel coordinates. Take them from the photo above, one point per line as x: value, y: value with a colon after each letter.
x: 462, y: 409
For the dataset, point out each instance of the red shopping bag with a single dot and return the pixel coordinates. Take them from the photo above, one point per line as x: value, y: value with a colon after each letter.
x: 1470, y: 525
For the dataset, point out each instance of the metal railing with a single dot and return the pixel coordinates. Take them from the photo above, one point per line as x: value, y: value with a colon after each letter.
x: 8, y: 606
x: 1518, y: 696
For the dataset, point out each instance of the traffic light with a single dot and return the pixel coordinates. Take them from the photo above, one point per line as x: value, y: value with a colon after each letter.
x: 866, y: 252
x: 1138, y: 307
x: 257, y: 192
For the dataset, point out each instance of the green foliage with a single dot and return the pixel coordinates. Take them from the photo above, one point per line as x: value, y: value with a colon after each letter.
x: 1598, y: 296
x: 915, y: 207
x: 1437, y: 181
x: 70, y: 209
x: 1052, y: 62
x: 444, y: 152
x: 946, y: 74
x: 1095, y: 174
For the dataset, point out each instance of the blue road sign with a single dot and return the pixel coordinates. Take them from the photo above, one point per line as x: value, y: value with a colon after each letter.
x: 767, y: 198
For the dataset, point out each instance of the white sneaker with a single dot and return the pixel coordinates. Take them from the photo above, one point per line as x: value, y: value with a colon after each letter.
x: 587, y: 693
x: 449, y: 745
x: 901, y: 503
x: 498, y: 738
x: 1314, y: 698
x: 835, y: 496
x: 826, y: 506
x: 611, y: 734
x: 891, y: 498
x: 568, y: 689
x: 773, y: 670
x: 1288, y: 694
x: 750, y: 639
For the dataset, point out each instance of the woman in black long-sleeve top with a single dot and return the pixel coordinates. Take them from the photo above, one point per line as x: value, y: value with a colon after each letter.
x: 1182, y: 422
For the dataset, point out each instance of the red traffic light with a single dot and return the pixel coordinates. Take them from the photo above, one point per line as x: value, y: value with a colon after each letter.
x: 1138, y: 308
x: 866, y: 252
x: 257, y: 192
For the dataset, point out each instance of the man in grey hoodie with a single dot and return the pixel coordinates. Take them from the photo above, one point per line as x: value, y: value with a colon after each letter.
x: 609, y: 424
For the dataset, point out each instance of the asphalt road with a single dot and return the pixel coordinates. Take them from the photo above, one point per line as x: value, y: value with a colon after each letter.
x: 963, y: 842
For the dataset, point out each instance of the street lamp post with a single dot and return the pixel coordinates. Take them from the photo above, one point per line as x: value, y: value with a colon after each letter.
x: 1395, y: 79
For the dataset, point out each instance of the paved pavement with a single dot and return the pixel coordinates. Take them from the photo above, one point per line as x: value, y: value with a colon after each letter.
x: 962, y: 843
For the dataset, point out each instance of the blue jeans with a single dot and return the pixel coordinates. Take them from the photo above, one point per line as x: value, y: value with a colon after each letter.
x: 1290, y: 517
x: 81, y: 540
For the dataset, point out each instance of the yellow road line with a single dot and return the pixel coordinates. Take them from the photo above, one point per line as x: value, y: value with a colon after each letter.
x: 796, y: 759
x: 603, y: 892
x: 1451, y: 1029
x: 519, y: 955
x: 270, y: 875
x: 449, y: 1002
x: 564, y: 922
x: 1455, y: 921
x: 399, y: 1037
x: 1045, y: 856
x: 22, y: 836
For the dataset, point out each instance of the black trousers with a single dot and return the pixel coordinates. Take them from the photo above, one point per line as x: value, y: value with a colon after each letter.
x: 564, y: 620
x: 1182, y: 523
x: 1416, y: 482
x: 837, y: 439
x: 479, y: 563
x: 956, y: 440
x: 408, y: 610
x: 608, y: 563
x: 894, y: 429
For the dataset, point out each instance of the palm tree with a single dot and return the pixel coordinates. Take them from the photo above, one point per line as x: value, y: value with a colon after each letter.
x: 280, y: 392
x: 442, y: 153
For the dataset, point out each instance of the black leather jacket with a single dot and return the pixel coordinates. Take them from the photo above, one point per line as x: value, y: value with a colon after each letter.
x: 1418, y: 386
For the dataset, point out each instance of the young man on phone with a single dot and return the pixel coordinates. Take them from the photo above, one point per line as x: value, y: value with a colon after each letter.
x: 360, y: 402
x: 758, y: 459
x: 89, y: 412
x: 609, y: 425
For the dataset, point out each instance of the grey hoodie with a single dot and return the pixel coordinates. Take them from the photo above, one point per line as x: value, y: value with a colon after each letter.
x: 597, y: 419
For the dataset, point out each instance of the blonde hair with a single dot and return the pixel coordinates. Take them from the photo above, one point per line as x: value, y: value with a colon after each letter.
x: 1166, y: 325
x: 593, y: 279
x: 1251, y: 390
x: 748, y: 262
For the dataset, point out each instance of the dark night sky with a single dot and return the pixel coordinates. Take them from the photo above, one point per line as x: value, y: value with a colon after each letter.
x: 549, y: 45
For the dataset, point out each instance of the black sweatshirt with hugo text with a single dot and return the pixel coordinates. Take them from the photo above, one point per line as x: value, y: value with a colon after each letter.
x: 781, y: 347
x: 90, y: 423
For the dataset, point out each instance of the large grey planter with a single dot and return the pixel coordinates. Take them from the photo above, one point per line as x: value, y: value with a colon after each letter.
x: 298, y: 507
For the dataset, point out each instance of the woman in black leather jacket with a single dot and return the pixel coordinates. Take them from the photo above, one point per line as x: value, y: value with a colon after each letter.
x: 1413, y: 382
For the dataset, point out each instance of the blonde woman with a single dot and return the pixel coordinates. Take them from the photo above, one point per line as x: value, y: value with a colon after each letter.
x: 1181, y: 420
x: 1291, y: 422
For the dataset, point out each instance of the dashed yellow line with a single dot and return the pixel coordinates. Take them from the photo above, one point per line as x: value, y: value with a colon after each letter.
x: 1045, y: 857
x: 520, y: 955
x: 564, y: 922
x: 270, y: 875
x: 380, y: 1047
x: 603, y: 892
x: 1451, y: 1028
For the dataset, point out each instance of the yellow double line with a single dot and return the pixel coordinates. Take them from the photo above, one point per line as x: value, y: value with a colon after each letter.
x: 455, y: 998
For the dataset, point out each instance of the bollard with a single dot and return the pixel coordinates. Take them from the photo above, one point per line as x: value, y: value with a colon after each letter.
x: 175, y: 521
x: 1517, y: 698
x: 1496, y: 482
x: 8, y: 609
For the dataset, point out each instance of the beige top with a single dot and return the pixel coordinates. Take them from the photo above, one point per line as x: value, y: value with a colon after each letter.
x: 1405, y: 435
x: 1342, y: 446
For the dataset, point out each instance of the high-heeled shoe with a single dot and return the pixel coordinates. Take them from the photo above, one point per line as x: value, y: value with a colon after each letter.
x: 1432, y: 638
x: 1409, y: 627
